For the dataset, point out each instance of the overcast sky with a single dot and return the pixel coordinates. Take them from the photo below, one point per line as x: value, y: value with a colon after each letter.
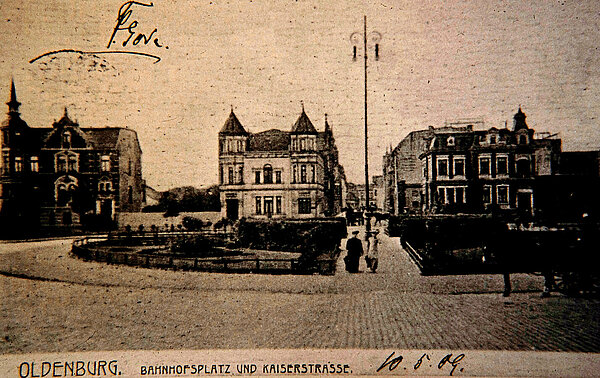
x: 439, y: 61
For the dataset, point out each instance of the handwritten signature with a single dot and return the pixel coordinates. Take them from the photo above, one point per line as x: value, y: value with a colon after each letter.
x: 125, y: 12
x: 392, y: 362
x: 123, y: 25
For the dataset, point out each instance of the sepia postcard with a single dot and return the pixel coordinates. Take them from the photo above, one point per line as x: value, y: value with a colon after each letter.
x: 299, y: 188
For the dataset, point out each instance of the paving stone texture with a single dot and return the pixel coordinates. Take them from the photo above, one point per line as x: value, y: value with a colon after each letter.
x: 51, y: 302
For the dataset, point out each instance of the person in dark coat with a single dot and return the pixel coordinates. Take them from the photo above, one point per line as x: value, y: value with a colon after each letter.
x: 355, y: 250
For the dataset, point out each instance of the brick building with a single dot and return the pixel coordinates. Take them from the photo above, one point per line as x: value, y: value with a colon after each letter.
x: 275, y: 173
x: 57, y: 176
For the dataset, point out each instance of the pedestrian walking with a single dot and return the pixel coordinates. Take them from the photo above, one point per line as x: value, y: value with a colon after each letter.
x: 354, y: 250
x: 372, y: 256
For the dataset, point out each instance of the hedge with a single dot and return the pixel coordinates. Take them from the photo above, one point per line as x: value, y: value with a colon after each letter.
x: 315, y: 238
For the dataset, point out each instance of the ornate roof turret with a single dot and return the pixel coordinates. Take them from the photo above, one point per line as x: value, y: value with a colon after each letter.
x: 519, y: 121
x: 233, y: 126
x: 65, y: 121
x: 14, y: 120
x: 303, y: 125
x: 13, y: 104
x: 327, y: 127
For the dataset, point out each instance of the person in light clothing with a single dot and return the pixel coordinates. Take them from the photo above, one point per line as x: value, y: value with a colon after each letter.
x: 372, y: 257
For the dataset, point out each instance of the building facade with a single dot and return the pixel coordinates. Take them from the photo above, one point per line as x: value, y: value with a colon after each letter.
x: 481, y: 171
x: 59, y: 175
x: 275, y: 173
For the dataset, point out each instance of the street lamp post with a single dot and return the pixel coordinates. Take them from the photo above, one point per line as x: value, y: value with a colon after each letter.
x: 375, y: 37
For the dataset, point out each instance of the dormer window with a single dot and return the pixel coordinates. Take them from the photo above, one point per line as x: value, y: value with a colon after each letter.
x: 66, y: 139
x: 450, y: 141
x: 522, y: 139
x: 105, y: 163
x: 492, y: 139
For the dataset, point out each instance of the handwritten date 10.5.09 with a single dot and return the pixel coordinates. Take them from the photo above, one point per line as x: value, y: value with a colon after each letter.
x: 392, y: 362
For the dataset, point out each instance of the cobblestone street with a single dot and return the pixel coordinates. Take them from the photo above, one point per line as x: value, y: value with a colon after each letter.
x: 71, y: 305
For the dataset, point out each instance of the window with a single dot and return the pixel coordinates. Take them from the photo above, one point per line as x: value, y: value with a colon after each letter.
x: 502, y: 194
x: 66, y: 161
x: 450, y: 195
x: 258, y: 206
x: 442, y: 195
x: 450, y: 141
x: 523, y: 167
x: 221, y: 174
x: 130, y: 194
x: 303, y: 173
x: 105, y: 163
x: 72, y: 163
x: 312, y: 173
x: 5, y: 162
x: 230, y: 176
x: 278, y: 177
x: 502, y: 165
x: 65, y: 189
x: 61, y: 163
x: 104, y: 186
x: 241, y: 174
x: 522, y: 139
x: 294, y: 173
x: 442, y: 165
x: 268, y: 174
x: 484, y: 166
x: 18, y: 164
x: 66, y: 139
x: 459, y: 167
x: 35, y: 165
x: 302, y: 144
x: 257, y: 177
x: 303, y: 205
x: 277, y: 205
x: 269, y: 206
x: 487, y: 194
x: 492, y: 139
x: 460, y: 195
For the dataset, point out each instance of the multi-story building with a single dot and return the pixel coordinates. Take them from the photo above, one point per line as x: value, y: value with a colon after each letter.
x: 277, y: 173
x: 494, y: 169
x: 403, y: 173
x: 55, y: 176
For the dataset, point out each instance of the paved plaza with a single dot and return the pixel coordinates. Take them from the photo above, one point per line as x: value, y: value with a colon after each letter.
x: 52, y: 302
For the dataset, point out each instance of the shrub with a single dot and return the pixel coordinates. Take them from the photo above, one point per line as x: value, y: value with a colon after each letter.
x: 316, y: 238
x: 197, y: 246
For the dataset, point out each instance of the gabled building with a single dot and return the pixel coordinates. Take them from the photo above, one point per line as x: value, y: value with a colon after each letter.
x: 56, y: 176
x: 277, y: 173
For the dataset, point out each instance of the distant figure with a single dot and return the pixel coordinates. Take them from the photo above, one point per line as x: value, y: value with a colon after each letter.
x: 355, y: 250
x: 372, y: 257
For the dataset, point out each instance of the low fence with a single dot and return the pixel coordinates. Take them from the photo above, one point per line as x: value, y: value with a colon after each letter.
x: 134, y: 220
x: 97, y: 248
